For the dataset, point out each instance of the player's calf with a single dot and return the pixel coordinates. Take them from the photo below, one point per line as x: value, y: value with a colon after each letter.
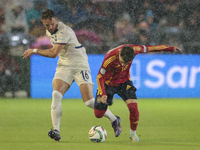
x: 134, y: 115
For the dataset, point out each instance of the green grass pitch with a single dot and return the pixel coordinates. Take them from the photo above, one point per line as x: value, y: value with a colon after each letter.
x: 165, y: 124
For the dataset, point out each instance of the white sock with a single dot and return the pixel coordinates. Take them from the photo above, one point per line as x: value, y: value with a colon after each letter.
x: 90, y: 103
x: 108, y: 114
x: 56, y: 109
x: 132, y: 132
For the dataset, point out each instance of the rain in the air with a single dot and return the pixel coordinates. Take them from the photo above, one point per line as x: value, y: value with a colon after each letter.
x: 101, y: 66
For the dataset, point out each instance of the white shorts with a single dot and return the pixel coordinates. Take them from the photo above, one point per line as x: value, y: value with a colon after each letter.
x: 71, y: 75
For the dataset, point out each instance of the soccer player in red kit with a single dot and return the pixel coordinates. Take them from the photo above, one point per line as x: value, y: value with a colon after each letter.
x: 114, y: 78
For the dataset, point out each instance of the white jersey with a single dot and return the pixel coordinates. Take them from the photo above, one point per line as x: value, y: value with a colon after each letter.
x: 73, y: 55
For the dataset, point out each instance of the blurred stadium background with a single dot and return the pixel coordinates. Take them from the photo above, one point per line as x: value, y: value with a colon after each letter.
x: 168, y: 84
x: 101, y: 25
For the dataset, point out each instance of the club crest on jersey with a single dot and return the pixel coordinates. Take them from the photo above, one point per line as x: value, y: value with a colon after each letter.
x: 98, y: 99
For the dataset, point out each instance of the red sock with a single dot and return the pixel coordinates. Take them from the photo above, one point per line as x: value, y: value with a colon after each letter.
x: 134, y: 115
x: 99, y: 113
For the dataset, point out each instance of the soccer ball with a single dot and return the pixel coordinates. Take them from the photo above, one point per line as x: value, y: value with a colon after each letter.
x: 97, y: 134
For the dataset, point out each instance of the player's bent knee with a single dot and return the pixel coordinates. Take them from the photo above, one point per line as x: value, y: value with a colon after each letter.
x: 99, y: 113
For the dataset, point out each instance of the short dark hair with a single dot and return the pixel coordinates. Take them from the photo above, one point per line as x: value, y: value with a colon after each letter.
x: 47, y: 14
x: 127, y: 53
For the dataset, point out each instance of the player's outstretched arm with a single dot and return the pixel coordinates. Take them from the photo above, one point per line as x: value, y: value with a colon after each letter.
x: 53, y: 52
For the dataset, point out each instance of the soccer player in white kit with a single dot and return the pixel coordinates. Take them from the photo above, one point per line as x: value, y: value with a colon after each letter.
x: 72, y: 66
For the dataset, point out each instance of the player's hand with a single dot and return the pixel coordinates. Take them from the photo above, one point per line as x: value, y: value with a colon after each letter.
x: 27, y: 53
x: 104, y: 99
x: 177, y: 49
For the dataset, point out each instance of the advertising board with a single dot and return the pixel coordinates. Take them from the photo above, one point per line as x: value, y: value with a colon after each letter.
x: 154, y: 76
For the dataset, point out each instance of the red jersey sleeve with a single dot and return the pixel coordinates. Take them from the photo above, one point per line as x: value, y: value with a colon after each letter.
x: 148, y: 48
x: 101, y: 79
x: 100, y: 84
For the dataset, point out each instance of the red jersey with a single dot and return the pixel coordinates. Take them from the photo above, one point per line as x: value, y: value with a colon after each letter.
x: 113, y: 73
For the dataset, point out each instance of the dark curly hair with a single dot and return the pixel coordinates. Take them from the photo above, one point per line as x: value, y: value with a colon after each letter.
x: 127, y: 53
x: 48, y: 14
